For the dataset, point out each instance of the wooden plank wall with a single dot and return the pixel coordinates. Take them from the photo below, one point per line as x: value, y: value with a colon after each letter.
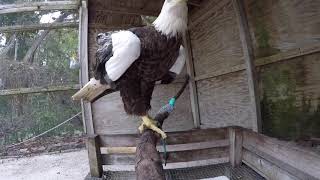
x: 290, y: 89
x: 110, y: 118
x: 278, y: 29
x: 278, y: 26
x: 223, y: 100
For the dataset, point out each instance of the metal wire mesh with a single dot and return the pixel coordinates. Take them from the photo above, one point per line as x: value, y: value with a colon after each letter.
x: 240, y: 173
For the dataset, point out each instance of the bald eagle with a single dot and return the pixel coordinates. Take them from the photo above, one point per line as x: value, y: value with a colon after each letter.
x: 133, y: 60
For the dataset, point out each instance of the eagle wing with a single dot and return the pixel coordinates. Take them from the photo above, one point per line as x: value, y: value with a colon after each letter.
x: 116, y: 52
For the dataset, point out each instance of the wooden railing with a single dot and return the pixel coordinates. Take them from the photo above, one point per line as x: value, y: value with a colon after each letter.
x: 272, y: 158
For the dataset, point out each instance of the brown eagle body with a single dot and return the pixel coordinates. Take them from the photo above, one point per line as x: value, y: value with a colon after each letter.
x: 132, y: 60
x: 158, y: 54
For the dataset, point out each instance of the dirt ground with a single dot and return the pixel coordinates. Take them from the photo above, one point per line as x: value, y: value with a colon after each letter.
x: 60, y: 166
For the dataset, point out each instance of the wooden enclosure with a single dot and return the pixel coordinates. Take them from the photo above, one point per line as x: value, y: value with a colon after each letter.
x: 272, y: 158
x: 245, y: 56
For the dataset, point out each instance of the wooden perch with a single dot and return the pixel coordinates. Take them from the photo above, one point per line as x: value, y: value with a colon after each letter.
x: 148, y: 161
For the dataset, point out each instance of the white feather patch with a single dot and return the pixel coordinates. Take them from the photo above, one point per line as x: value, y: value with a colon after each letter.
x: 126, y: 49
x: 181, y: 60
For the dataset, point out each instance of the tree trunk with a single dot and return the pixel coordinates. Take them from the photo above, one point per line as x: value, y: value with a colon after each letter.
x: 29, y: 55
x: 8, y: 46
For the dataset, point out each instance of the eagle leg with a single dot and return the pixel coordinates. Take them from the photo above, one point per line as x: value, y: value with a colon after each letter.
x: 151, y: 124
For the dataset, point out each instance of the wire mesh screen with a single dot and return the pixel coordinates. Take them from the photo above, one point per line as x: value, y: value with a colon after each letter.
x: 242, y: 172
x: 38, y: 60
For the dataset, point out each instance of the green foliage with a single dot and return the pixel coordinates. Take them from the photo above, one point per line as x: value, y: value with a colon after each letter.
x: 24, y: 116
x: 41, y: 112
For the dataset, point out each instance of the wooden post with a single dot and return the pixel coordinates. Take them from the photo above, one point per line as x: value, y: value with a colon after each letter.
x: 84, y: 70
x: 236, y: 139
x: 192, y: 83
x: 249, y: 59
x: 94, y: 155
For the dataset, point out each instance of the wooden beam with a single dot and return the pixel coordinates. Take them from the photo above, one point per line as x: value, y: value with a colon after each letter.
x: 94, y: 155
x: 282, y: 56
x: 84, y: 70
x: 235, y: 138
x: 218, y: 153
x: 192, y: 83
x: 170, y: 148
x: 181, y: 137
x: 19, y: 28
x: 290, y: 54
x: 264, y: 167
x: 221, y: 72
x: 39, y: 6
x: 32, y: 90
x: 130, y: 9
x: 247, y: 47
x: 298, y: 161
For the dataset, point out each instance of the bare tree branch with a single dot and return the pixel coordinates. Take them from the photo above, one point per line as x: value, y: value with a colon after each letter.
x: 30, y: 53
x: 9, y: 45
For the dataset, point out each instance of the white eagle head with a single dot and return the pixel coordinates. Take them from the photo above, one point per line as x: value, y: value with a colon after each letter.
x: 173, y: 18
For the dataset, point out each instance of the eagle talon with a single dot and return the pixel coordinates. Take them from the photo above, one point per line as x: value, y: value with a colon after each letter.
x: 151, y: 124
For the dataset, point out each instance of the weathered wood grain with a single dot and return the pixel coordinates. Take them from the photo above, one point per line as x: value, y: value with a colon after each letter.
x: 215, y: 41
x: 19, y: 28
x: 132, y: 7
x: 32, y: 90
x: 174, y: 157
x: 282, y: 56
x: 235, y: 138
x: 38, y: 6
x: 264, y: 167
x: 84, y: 70
x: 247, y: 49
x: 301, y: 163
x: 94, y: 156
x: 170, y: 148
x: 110, y: 118
x: 172, y: 165
x: 278, y: 26
x: 224, y: 101
x: 192, y: 83
x: 202, y: 12
x: 302, y: 80
x: 181, y: 137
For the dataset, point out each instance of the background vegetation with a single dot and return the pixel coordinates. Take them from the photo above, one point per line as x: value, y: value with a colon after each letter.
x: 33, y: 59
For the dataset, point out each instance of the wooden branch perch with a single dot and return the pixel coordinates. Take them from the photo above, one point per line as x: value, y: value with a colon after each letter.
x: 148, y: 161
